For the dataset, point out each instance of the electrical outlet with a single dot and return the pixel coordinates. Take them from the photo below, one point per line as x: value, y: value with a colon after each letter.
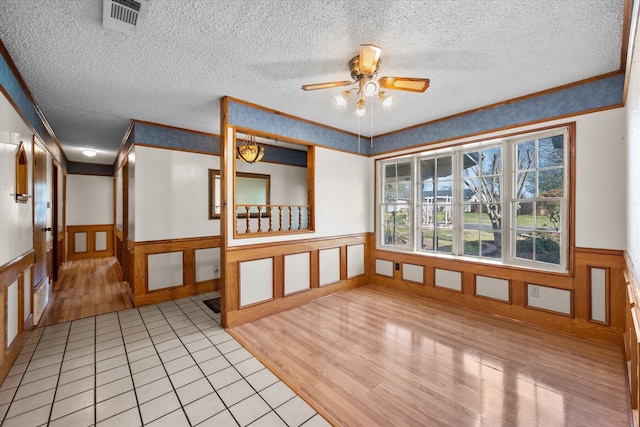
x: 397, y: 266
x: 534, y: 291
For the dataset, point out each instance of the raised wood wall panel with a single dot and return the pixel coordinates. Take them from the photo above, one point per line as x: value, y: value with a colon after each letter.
x: 235, y: 315
x: 128, y: 269
x: 10, y: 273
x: 631, y: 316
x: 41, y: 297
x: 60, y: 248
x: 136, y: 256
x: 315, y: 269
x: 628, y: 330
x: 579, y: 324
x: 278, y: 276
x: 614, y: 262
x: 91, y: 231
x: 118, y: 244
x: 49, y: 257
x: 634, y: 366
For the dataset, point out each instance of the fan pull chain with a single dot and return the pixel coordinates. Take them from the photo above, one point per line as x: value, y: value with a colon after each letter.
x: 358, y: 135
x: 371, y: 128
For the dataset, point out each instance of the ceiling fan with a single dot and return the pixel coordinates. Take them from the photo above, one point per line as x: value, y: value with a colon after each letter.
x: 364, y: 72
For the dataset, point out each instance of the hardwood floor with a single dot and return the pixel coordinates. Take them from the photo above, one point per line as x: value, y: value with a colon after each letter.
x: 374, y: 356
x: 86, y: 288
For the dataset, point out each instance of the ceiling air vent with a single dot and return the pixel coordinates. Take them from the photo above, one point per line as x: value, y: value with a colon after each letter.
x: 124, y: 16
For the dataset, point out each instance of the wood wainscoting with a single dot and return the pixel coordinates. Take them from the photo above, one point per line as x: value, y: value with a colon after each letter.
x: 586, y: 303
x: 90, y: 241
x: 632, y: 337
x: 16, y: 308
x: 61, y: 250
x: 265, y: 279
x: 164, y: 270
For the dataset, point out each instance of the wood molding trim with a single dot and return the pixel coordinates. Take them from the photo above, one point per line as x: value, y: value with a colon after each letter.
x: 91, y: 232
x: 183, y: 150
x: 12, y: 353
x: 135, y: 258
x: 236, y: 315
x: 289, y: 116
x: 11, y: 271
x: 632, y: 334
x: 160, y: 246
x: 514, y: 100
x: 143, y: 122
x: 23, y: 85
x: 578, y: 323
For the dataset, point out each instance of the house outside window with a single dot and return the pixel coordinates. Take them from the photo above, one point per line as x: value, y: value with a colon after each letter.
x: 504, y: 201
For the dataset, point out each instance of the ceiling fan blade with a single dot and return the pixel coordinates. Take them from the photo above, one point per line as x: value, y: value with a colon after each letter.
x: 369, y: 57
x: 326, y: 85
x: 404, y: 83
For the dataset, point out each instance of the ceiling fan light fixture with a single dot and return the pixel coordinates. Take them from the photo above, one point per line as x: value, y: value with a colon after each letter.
x: 249, y: 150
x: 343, y: 98
x: 361, y: 108
x: 370, y: 88
x: 364, y: 74
x: 385, y: 99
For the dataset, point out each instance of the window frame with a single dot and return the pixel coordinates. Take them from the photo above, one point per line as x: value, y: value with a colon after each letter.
x: 409, y: 204
x: 508, y: 176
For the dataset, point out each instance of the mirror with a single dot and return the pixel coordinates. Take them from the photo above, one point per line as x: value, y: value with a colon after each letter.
x: 252, y: 190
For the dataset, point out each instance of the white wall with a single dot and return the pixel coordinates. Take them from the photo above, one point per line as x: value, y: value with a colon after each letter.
x: 60, y: 199
x: 600, y: 175
x: 601, y: 180
x: 89, y: 199
x: 172, y: 194
x: 343, y: 197
x: 344, y: 193
x: 288, y: 183
x: 288, y: 186
x: 131, y: 192
x: 119, y: 205
x: 632, y: 157
x: 16, y: 234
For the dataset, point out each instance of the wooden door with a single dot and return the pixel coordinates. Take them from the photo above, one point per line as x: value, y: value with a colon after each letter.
x: 39, y: 213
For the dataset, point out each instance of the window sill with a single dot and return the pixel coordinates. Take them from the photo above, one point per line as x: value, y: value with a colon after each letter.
x: 477, y: 261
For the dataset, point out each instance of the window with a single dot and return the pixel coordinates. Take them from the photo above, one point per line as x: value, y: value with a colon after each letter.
x: 482, y: 202
x: 436, y: 209
x: 502, y: 200
x: 396, y: 204
x: 539, y: 204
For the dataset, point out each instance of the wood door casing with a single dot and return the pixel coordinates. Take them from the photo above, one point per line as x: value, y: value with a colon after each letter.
x: 39, y: 213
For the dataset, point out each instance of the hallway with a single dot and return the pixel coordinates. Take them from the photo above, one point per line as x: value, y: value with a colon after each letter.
x: 86, y: 288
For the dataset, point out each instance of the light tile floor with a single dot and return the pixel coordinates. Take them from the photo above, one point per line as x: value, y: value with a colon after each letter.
x: 169, y: 364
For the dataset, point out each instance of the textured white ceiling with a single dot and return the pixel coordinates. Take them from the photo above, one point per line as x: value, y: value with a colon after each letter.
x: 90, y: 82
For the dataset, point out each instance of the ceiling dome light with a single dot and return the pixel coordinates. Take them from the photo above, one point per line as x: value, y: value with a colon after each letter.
x: 360, y: 108
x: 343, y: 98
x: 89, y: 153
x: 385, y: 99
x: 370, y: 88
